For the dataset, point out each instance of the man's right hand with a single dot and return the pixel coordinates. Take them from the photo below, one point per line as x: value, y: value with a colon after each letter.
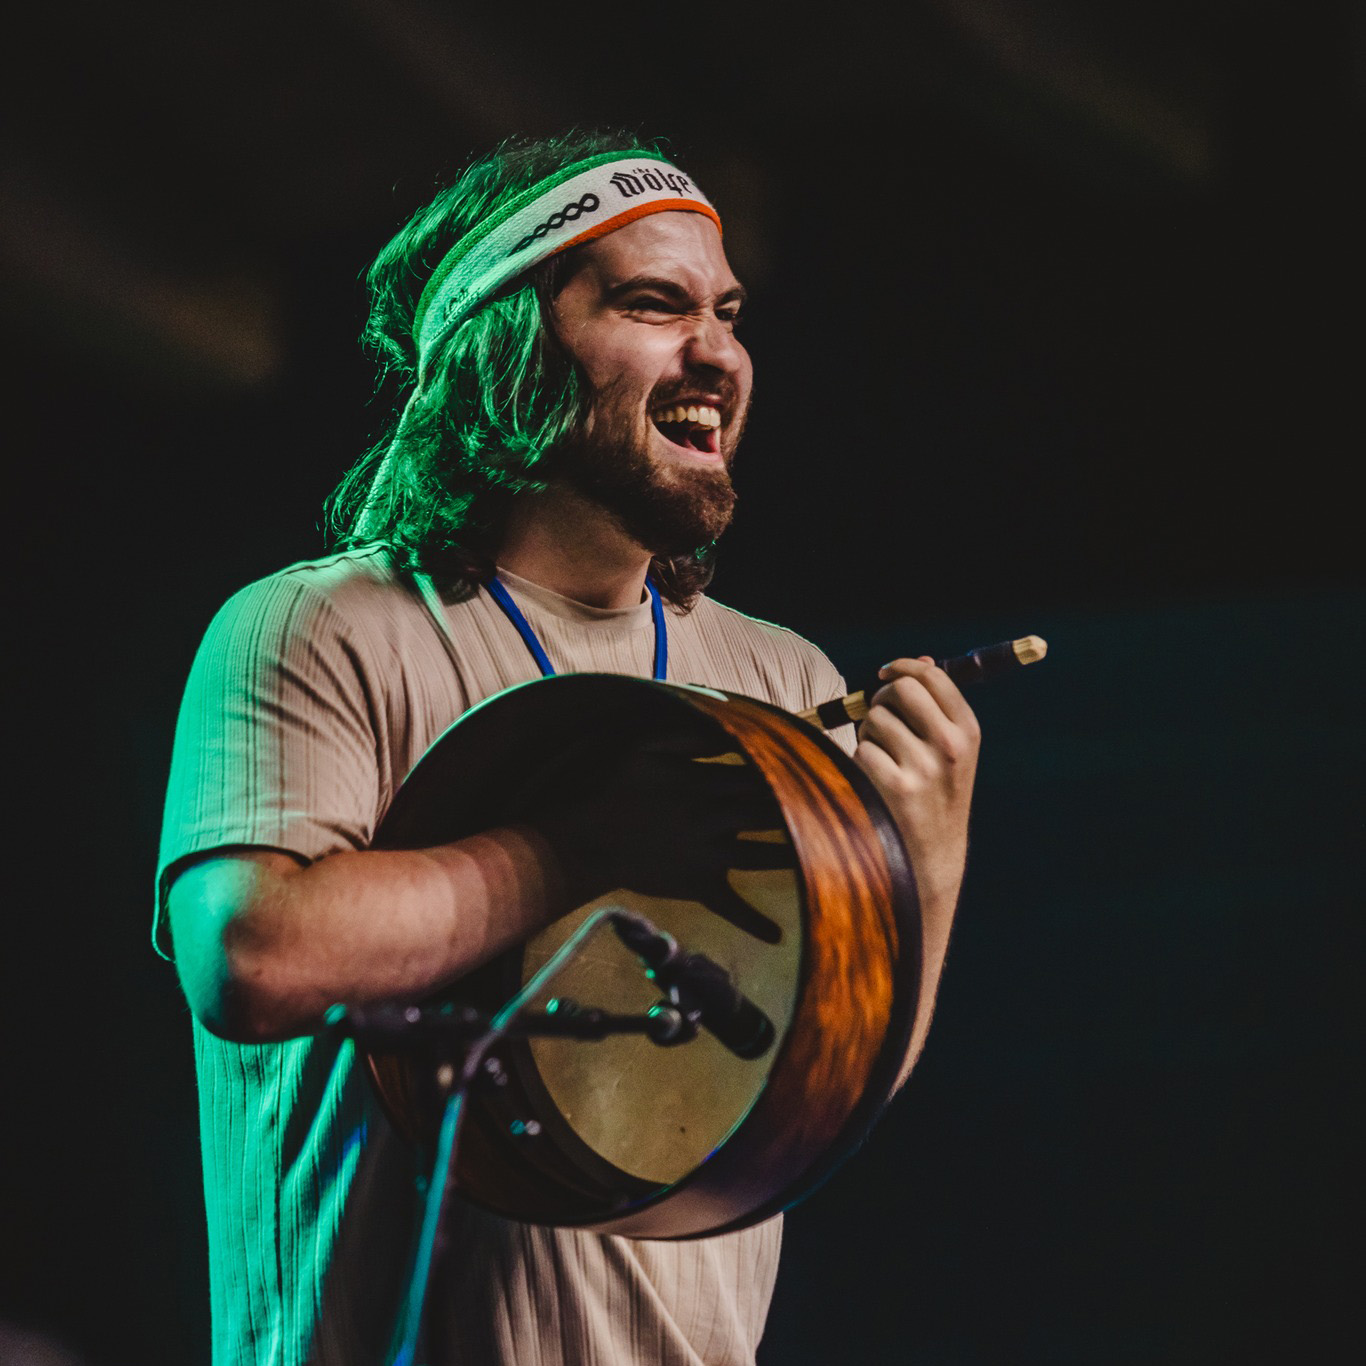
x: 662, y: 821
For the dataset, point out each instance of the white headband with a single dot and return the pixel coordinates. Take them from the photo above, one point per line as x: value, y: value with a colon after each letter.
x: 580, y: 202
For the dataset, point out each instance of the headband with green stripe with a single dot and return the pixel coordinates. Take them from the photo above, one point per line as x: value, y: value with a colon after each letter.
x: 578, y: 203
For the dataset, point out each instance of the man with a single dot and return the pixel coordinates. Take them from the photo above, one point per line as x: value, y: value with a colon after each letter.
x: 564, y: 321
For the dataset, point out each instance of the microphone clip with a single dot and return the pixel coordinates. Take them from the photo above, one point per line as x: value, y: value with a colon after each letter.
x: 698, y: 987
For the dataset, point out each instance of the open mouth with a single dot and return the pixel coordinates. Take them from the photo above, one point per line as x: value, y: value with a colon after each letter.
x: 693, y: 426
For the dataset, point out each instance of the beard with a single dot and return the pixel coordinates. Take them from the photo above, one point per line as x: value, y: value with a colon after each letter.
x: 671, y: 510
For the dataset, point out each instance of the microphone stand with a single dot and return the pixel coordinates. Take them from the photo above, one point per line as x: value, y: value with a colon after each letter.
x: 388, y: 1026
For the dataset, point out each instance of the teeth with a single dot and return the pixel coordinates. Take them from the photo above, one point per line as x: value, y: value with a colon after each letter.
x: 699, y: 413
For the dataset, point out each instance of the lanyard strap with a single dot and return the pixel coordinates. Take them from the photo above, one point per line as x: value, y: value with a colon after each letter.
x: 499, y: 593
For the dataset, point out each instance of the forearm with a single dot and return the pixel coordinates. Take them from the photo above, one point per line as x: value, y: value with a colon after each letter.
x: 919, y: 746
x: 937, y: 909
x: 265, y: 946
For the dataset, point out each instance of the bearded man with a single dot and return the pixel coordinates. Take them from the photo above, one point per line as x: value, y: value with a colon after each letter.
x: 563, y: 320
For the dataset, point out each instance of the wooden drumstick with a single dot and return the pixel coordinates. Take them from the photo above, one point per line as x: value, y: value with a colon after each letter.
x: 977, y: 665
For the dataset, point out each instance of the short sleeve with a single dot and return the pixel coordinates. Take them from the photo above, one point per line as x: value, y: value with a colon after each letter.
x: 276, y: 742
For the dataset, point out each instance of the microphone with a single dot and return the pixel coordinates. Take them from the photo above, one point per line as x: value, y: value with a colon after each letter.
x: 703, y: 988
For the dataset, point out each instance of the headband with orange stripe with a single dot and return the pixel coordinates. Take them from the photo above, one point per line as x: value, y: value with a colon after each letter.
x: 584, y: 200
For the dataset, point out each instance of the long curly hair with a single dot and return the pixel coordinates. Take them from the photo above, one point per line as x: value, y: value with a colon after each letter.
x: 500, y: 393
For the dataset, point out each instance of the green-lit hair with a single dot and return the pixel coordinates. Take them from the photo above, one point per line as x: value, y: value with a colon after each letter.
x: 499, y: 394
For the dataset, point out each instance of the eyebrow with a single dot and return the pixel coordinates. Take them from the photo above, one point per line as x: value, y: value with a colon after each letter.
x: 671, y: 289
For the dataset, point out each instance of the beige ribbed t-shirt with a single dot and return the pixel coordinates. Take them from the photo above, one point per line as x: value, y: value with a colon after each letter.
x: 314, y: 693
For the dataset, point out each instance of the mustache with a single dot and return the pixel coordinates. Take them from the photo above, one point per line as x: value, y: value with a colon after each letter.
x: 720, y: 387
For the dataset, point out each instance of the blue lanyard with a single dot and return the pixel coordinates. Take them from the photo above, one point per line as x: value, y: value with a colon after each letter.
x: 499, y: 593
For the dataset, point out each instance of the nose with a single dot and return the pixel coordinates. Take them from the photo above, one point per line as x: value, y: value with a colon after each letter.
x: 712, y: 344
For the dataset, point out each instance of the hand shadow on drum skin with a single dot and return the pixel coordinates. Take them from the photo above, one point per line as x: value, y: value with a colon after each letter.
x: 664, y: 824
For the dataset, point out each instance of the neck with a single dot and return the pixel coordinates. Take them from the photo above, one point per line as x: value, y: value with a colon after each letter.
x: 569, y: 544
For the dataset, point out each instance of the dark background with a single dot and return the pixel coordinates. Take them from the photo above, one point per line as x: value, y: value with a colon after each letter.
x: 1056, y: 330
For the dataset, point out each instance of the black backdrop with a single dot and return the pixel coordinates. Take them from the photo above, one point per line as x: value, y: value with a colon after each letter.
x: 1049, y: 316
